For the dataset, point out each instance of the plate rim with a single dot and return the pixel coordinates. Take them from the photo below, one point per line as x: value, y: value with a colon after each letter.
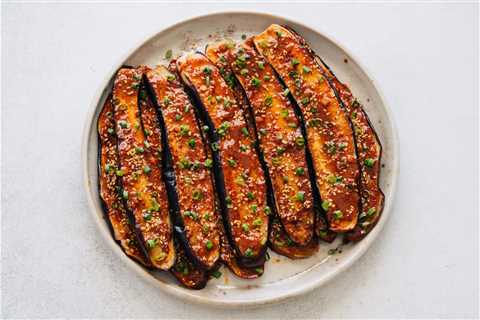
x: 182, y: 293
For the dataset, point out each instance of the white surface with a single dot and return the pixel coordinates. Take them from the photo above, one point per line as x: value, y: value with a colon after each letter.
x: 283, y: 277
x: 425, y: 263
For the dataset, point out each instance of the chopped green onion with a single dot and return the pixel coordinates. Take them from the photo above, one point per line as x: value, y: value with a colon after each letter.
x: 369, y: 162
x: 325, y: 205
x: 209, y: 244
x: 299, y: 171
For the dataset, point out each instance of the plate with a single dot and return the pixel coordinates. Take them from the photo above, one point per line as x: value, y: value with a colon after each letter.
x: 283, y: 278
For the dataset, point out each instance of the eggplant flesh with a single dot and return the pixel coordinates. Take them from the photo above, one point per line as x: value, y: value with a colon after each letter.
x: 186, y: 168
x: 109, y: 186
x: 143, y: 189
x: 328, y: 129
x: 238, y: 174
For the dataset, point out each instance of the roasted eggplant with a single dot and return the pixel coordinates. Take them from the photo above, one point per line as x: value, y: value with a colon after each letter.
x: 282, y: 244
x: 369, y: 151
x: 239, y: 178
x: 109, y: 185
x: 280, y: 140
x: 328, y: 129
x: 186, y: 272
x: 140, y: 172
x: 187, y: 167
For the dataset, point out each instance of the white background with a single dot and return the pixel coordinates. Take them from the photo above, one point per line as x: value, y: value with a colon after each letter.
x: 425, y: 262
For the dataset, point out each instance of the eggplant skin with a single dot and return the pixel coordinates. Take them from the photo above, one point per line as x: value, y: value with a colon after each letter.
x: 109, y: 185
x: 239, y: 179
x: 283, y: 245
x: 143, y: 189
x: 188, y: 179
x: 329, y: 131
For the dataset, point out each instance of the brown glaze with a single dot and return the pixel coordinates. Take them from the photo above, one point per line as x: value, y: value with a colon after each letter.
x: 196, y: 197
x: 329, y: 132
x: 282, y: 244
x: 186, y: 272
x: 110, y: 185
x: 243, y: 175
x: 140, y: 171
x: 278, y: 132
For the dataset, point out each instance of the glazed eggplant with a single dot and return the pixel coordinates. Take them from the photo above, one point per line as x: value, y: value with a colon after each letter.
x: 186, y: 166
x: 282, y: 244
x: 109, y: 185
x: 280, y: 139
x: 140, y: 172
x: 239, y: 178
x: 186, y: 272
x: 369, y: 151
x: 328, y: 129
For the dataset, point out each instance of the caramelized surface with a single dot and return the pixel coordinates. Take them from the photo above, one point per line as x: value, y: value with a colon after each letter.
x: 280, y: 139
x: 110, y: 185
x: 194, y: 189
x: 329, y: 133
x: 140, y: 171
x: 244, y: 203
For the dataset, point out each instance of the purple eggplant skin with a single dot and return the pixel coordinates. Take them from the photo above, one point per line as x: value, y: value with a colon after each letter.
x: 219, y: 178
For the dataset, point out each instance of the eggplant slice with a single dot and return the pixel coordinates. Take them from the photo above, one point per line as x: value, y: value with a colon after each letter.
x: 369, y: 151
x: 140, y: 172
x: 109, y: 185
x: 328, y: 128
x: 187, y: 167
x: 280, y: 140
x: 239, y: 178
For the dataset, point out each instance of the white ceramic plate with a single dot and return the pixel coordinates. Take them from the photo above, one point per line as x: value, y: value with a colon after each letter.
x: 283, y: 277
